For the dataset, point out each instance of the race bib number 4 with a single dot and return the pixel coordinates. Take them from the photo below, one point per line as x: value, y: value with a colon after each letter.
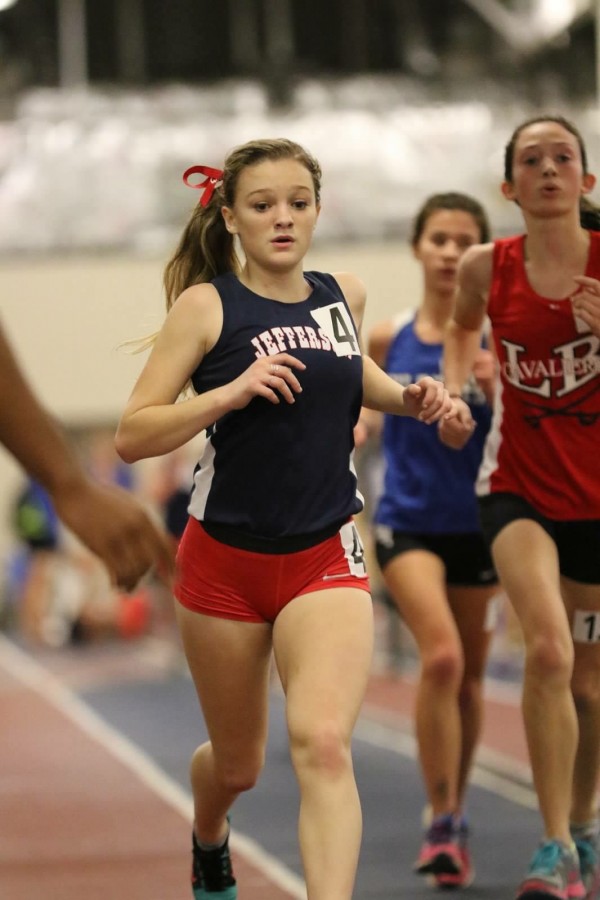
x: 336, y: 321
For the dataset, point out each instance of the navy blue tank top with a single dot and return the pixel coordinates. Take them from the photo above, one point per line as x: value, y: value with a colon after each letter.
x: 278, y: 471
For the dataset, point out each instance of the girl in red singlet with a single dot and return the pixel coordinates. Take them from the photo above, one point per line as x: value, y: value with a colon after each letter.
x: 539, y: 483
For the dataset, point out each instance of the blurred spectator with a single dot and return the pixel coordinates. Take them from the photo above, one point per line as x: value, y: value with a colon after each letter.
x: 169, y: 489
x: 103, y: 462
x: 37, y: 528
x: 61, y: 593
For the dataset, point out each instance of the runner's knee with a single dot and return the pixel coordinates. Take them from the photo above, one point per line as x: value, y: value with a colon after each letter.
x: 323, y: 748
x: 235, y: 773
x: 443, y: 665
x: 550, y: 659
x: 585, y: 687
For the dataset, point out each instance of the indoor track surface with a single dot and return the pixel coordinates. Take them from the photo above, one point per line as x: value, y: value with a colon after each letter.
x: 95, y: 803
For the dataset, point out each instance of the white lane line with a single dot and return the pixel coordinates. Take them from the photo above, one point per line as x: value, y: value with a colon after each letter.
x: 34, y: 676
x: 387, y: 738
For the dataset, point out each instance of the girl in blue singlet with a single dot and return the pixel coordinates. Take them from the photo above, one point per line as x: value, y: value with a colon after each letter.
x: 270, y: 558
x: 428, y: 542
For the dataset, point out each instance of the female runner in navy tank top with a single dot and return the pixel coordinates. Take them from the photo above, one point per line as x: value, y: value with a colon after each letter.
x: 539, y: 483
x: 271, y: 558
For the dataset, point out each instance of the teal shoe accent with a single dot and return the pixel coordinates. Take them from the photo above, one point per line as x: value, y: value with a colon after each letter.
x: 553, y: 873
x: 229, y: 893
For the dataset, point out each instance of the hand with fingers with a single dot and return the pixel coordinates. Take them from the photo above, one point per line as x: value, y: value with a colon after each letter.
x: 270, y: 377
x: 427, y: 400
x: 454, y: 431
x: 114, y: 526
x: 586, y: 303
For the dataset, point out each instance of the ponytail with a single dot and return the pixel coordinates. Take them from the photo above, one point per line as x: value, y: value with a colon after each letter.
x: 206, y: 249
x: 589, y: 215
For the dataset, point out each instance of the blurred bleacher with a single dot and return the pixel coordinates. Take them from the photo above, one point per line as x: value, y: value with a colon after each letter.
x: 104, y: 105
x: 101, y: 170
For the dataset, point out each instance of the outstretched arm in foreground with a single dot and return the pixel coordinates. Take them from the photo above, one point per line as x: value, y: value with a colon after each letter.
x: 107, y: 520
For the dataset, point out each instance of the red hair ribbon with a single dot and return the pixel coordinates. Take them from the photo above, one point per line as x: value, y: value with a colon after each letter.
x: 213, y: 177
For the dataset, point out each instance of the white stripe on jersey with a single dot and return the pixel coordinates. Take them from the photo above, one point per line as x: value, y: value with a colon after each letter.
x: 489, y: 463
x: 203, y: 478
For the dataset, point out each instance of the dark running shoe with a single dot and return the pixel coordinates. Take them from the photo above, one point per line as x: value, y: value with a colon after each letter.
x: 465, y: 877
x: 440, y: 852
x: 212, y: 874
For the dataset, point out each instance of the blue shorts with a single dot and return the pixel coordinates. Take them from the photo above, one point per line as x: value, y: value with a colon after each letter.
x: 577, y: 540
x: 465, y: 556
x: 217, y: 579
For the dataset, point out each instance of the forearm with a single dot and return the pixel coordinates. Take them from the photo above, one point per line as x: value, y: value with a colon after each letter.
x: 380, y: 392
x: 159, y: 429
x: 461, y: 346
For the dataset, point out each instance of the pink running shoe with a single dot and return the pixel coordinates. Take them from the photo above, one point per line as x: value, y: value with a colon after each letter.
x: 465, y: 877
x: 440, y: 851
